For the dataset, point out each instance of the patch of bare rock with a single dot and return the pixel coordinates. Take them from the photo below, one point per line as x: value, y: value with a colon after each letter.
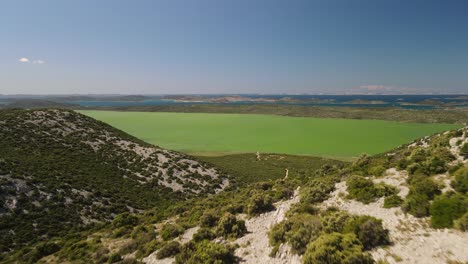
x: 255, y: 246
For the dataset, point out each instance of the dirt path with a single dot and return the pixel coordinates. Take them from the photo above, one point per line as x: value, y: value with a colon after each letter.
x: 255, y: 247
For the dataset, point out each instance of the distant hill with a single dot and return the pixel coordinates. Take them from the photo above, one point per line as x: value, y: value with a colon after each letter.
x: 38, y: 103
x: 61, y: 171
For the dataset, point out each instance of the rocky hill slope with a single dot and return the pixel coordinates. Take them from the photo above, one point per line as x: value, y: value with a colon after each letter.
x: 409, y: 205
x: 61, y: 171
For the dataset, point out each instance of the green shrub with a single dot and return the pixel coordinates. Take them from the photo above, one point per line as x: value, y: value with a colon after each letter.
x: 113, y: 258
x: 170, y: 231
x: 209, y: 218
x: 444, y: 154
x: 203, y: 234
x: 317, y: 190
x: 369, y: 231
x: 168, y: 250
x: 259, y: 203
x: 447, y: 208
x: 304, y: 229
x: 462, y: 222
x: 335, y: 221
x: 366, y: 191
x: 302, y: 208
x: 392, y: 201
x: 383, y: 189
x: 336, y: 248
x: 205, y: 252
x: 229, y: 226
x: 424, y: 186
x: 362, y: 161
x: 418, y: 155
x: 47, y: 248
x: 435, y: 165
x: 377, y: 170
x: 464, y: 151
x: 298, y: 231
x: 125, y: 219
x: 121, y: 231
x: 416, y: 204
x: 461, y: 180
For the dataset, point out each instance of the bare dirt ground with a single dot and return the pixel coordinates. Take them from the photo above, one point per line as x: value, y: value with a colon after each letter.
x: 255, y: 247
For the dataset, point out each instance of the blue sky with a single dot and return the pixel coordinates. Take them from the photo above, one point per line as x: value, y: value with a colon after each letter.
x: 233, y: 46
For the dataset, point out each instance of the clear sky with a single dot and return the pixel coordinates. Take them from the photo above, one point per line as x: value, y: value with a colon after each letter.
x: 233, y: 46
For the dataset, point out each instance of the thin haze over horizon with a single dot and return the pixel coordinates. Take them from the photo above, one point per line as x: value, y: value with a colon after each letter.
x: 233, y: 47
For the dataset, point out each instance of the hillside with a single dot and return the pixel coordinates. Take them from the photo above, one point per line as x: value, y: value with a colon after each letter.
x: 408, y: 205
x: 405, y: 206
x: 30, y: 103
x: 61, y: 172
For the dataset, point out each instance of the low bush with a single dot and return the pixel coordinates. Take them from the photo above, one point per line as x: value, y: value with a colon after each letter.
x: 335, y: 221
x: 377, y: 170
x: 366, y: 191
x: 462, y: 223
x: 369, y: 231
x: 423, y: 185
x: 422, y: 191
x: 209, y: 218
x: 298, y: 231
x: 205, y: 252
x: 317, y: 190
x: 392, y: 201
x: 125, y: 219
x: 229, y: 226
x: 259, y: 203
x: 417, y: 205
x: 435, y: 165
x: 464, y: 150
x: 113, y: 258
x: 170, y: 249
x: 170, y: 231
x: 336, y: 248
x: 447, y: 208
x: 203, y: 234
x: 461, y: 180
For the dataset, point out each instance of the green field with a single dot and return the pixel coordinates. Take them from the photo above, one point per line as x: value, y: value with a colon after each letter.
x: 209, y: 134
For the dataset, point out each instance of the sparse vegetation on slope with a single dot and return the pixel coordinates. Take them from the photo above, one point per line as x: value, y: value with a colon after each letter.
x: 61, y: 172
